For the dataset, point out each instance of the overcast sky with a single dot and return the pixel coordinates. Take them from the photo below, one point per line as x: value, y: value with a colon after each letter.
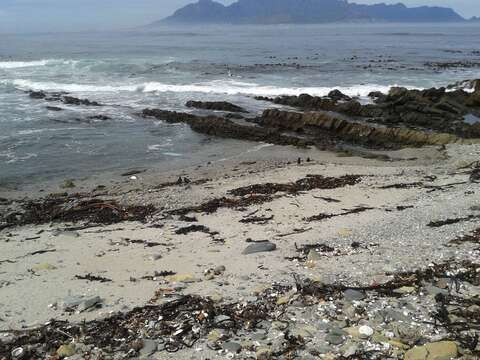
x: 74, y: 15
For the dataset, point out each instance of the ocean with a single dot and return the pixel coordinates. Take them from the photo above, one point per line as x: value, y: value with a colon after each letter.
x: 128, y: 71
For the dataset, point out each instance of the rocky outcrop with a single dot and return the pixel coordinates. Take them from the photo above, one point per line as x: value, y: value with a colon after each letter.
x: 221, y: 127
x: 62, y: 97
x: 354, y: 132
x: 432, y: 109
x: 215, y: 105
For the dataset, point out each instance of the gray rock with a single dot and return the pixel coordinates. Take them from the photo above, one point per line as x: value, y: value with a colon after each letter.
x: 263, y: 246
x: 149, y: 347
x: 89, y: 303
x: 221, y: 318
x: 232, y: 347
x: 433, y: 290
x: 353, y: 295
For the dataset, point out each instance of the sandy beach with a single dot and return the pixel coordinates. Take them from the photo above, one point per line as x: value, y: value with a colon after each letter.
x: 360, y: 225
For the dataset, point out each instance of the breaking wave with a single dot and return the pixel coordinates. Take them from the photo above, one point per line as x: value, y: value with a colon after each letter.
x: 37, y: 63
x: 212, y: 87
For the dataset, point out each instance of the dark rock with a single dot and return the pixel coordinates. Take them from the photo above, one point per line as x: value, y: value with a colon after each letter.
x: 37, y: 95
x: 264, y: 246
x: 337, y: 95
x: 99, y: 117
x: 215, y: 105
x: 221, y: 127
x: 70, y: 100
x: 54, y: 108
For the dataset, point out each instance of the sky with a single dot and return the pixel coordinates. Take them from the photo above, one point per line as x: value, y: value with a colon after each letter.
x: 79, y: 15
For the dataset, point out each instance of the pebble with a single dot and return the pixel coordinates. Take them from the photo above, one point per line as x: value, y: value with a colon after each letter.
x: 232, y: 347
x: 353, y: 295
x: 264, y: 246
x: 66, y: 351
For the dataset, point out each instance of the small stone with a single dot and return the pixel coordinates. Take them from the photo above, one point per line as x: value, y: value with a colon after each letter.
x: 232, y: 347
x: 44, y: 266
x: 353, y: 295
x: 185, y: 278
x: 89, y: 303
x: 264, y: 246
x: 66, y: 351
x: 215, y: 335
x: 219, y: 270
x: 18, y: 353
x: 365, y: 331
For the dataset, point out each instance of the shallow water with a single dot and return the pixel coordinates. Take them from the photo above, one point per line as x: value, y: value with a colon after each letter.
x: 166, y: 67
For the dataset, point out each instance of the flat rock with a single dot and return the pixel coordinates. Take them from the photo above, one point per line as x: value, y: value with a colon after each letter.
x: 442, y: 350
x: 264, y: 246
x: 353, y: 295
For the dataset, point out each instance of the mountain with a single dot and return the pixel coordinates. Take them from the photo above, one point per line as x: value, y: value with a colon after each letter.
x: 304, y: 12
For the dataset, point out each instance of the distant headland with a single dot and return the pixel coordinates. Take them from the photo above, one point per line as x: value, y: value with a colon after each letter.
x: 305, y: 12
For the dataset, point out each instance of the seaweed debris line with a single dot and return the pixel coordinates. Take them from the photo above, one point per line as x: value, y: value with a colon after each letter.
x: 340, y: 241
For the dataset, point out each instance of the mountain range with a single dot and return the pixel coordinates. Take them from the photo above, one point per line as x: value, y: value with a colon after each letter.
x: 305, y: 12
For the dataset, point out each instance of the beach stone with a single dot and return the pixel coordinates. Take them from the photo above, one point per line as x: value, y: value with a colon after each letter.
x: 44, y: 266
x: 89, y: 303
x: 232, y: 347
x: 215, y: 335
x: 219, y: 270
x: 185, y: 278
x: 264, y: 246
x: 149, y: 347
x: 66, y: 351
x: 442, y: 350
x: 353, y: 295
x: 365, y: 331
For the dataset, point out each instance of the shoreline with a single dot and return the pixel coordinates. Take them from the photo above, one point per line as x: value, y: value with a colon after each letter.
x: 125, y: 261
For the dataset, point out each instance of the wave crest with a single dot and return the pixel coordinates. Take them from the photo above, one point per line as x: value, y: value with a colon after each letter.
x: 213, y: 87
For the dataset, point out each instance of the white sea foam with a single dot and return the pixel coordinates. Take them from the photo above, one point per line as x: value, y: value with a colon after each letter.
x: 36, y: 63
x: 212, y: 87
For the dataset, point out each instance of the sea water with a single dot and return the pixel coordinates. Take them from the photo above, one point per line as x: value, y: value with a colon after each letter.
x: 165, y: 67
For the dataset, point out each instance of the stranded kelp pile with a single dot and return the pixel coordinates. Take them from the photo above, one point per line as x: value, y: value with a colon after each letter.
x: 432, y: 311
x: 73, y: 208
